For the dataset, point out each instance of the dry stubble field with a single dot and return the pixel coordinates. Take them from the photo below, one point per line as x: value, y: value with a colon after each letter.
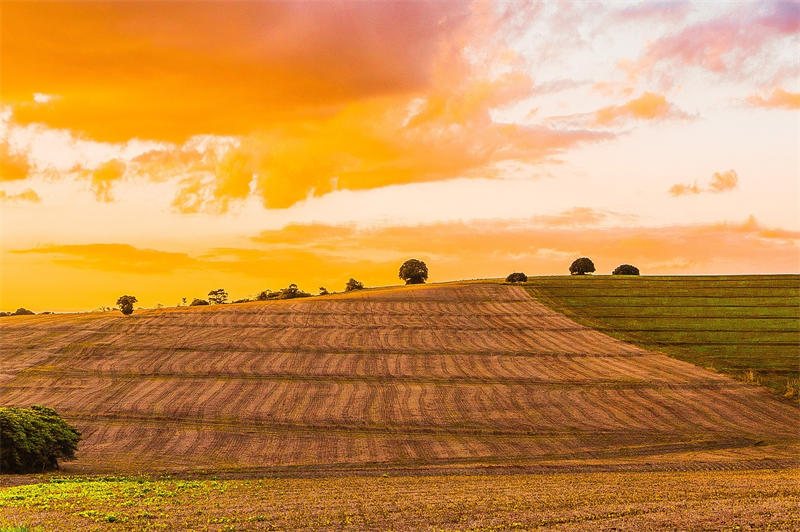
x: 475, y: 378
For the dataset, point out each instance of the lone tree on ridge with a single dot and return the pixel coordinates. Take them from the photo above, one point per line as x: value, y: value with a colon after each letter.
x: 125, y: 304
x: 352, y: 284
x: 625, y: 269
x: 414, y: 271
x: 581, y: 266
x: 517, y: 277
x: 218, y: 296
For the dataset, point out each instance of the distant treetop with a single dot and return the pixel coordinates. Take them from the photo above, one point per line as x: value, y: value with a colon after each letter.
x: 625, y: 269
x: 414, y: 271
x: 352, y: 284
x: 517, y: 277
x: 125, y: 304
x: 218, y: 296
x: 581, y: 266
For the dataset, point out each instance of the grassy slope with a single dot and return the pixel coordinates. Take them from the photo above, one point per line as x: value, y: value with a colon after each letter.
x: 744, y: 326
x: 708, y: 500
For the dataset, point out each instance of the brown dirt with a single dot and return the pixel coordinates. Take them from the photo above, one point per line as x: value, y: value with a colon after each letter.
x: 450, y: 376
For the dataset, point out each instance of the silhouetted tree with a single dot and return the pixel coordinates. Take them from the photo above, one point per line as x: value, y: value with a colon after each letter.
x: 21, y: 311
x: 197, y: 302
x: 414, y: 271
x: 352, y: 284
x: 34, y: 439
x: 581, y: 266
x: 183, y: 301
x: 625, y: 269
x: 517, y: 277
x: 218, y: 296
x: 264, y: 295
x: 323, y: 291
x: 125, y: 304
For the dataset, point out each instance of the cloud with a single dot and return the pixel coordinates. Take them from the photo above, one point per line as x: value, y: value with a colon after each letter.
x: 720, y: 182
x: 310, y: 98
x: 114, y: 258
x: 648, y: 106
x: 104, y: 176
x: 26, y: 195
x: 14, y: 166
x: 327, y: 255
x: 681, y: 189
x: 321, y: 254
x: 723, y: 45
x: 673, y: 11
x: 779, y: 99
x: 161, y: 67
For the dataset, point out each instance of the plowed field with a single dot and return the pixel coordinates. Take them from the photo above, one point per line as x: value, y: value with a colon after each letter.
x: 458, y: 377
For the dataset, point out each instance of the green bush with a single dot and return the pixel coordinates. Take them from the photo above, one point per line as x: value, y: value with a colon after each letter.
x: 34, y: 439
x: 517, y: 277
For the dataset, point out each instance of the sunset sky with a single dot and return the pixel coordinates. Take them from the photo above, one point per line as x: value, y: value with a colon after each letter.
x: 167, y: 149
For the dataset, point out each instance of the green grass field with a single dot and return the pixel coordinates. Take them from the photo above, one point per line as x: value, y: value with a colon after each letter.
x: 745, y: 326
x: 693, y: 500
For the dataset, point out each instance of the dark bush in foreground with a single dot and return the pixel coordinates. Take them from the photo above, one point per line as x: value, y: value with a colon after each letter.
x: 34, y: 439
x: 625, y: 269
x: 414, y: 271
x: 581, y: 266
x: 517, y: 277
x: 125, y: 304
x: 352, y: 284
x: 197, y: 302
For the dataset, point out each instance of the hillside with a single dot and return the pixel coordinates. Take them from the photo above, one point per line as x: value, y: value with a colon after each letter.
x: 457, y: 376
x: 747, y: 326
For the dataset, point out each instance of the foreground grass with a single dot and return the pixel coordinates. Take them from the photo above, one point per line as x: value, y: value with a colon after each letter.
x: 760, y: 499
x: 744, y: 326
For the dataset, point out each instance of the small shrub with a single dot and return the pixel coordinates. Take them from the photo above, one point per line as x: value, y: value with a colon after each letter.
x: 581, y: 266
x: 625, y: 269
x: 517, y: 277
x: 352, y: 284
x: 197, y: 302
x: 125, y: 304
x: 264, y: 295
x: 323, y: 291
x: 414, y: 271
x: 21, y: 311
x: 245, y: 300
x: 34, y: 439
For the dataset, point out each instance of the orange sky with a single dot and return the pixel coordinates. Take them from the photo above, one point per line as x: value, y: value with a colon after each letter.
x: 167, y: 148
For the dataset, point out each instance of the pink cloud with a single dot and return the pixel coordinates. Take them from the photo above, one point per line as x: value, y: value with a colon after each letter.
x: 724, y: 44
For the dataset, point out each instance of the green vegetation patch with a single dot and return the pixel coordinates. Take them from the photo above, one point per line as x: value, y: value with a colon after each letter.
x: 744, y: 326
x: 717, y: 500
